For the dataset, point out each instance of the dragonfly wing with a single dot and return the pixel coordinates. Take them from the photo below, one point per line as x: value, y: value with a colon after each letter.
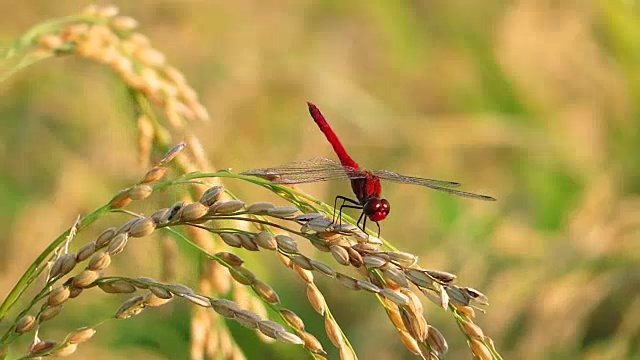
x: 463, y: 193
x: 440, y: 185
x: 306, y: 171
x: 392, y: 176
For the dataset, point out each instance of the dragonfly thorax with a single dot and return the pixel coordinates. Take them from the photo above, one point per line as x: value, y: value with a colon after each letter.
x: 376, y: 209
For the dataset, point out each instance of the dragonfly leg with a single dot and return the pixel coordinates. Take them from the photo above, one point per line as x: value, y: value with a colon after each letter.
x: 335, y: 206
x: 345, y: 200
x: 364, y: 222
x: 363, y: 218
x: 361, y: 214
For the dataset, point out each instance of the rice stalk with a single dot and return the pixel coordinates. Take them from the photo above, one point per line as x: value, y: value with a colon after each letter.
x: 394, y: 277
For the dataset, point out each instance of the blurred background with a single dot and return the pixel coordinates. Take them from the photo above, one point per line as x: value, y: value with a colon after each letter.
x: 533, y: 102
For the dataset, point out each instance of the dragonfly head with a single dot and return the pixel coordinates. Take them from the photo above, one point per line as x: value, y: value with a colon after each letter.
x: 376, y: 209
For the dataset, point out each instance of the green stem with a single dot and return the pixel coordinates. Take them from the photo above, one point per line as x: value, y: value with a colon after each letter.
x: 39, y: 264
x: 36, y: 268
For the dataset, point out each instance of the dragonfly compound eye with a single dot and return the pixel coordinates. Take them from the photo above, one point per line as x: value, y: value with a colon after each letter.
x: 377, y: 209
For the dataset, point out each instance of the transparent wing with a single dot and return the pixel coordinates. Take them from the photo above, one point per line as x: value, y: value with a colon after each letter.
x: 440, y: 185
x: 306, y: 171
x: 392, y: 176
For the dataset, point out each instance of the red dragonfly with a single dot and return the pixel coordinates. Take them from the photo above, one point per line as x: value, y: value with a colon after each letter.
x: 364, y: 183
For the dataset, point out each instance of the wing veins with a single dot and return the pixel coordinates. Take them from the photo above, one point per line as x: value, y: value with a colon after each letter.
x: 393, y: 176
x: 439, y: 185
x: 305, y: 171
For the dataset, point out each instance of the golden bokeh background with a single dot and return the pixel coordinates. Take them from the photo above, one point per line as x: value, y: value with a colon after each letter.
x: 533, y: 102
